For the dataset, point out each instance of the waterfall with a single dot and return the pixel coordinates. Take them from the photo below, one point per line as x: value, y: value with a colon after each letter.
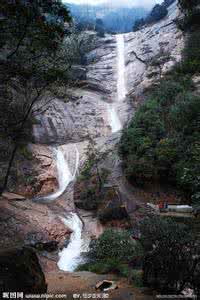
x: 121, y: 83
x: 64, y: 175
x: 70, y: 257
x: 115, y: 122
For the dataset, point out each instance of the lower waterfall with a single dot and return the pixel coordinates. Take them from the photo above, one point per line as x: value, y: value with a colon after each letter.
x: 70, y: 257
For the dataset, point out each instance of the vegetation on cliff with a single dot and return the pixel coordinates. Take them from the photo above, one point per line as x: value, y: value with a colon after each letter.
x: 162, y: 142
x: 158, y: 12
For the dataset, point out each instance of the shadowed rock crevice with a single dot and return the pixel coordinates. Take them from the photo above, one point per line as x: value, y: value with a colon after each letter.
x: 21, y: 271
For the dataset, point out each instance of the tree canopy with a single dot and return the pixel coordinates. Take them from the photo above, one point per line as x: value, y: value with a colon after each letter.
x: 32, y: 59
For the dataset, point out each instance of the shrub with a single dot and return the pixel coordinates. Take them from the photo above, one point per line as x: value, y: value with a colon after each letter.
x: 171, y: 255
x: 112, y: 243
x: 191, y: 53
x: 188, y: 5
x: 137, y: 277
x: 158, y: 12
x: 113, y: 251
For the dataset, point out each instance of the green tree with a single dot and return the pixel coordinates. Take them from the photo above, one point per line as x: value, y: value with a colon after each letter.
x: 32, y: 61
x: 171, y: 256
x: 158, y: 12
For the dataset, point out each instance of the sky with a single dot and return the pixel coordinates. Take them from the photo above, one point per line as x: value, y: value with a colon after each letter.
x: 124, y: 3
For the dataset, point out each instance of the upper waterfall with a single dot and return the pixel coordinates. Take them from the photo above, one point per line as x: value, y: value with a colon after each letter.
x: 121, y: 82
x: 115, y: 122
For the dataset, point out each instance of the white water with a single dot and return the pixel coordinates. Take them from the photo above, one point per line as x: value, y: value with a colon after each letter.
x: 121, y: 82
x: 70, y: 257
x: 114, y: 119
x: 115, y: 122
x: 64, y: 175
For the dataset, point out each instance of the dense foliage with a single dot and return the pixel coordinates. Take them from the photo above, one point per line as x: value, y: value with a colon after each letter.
x: 171, y: 256
x: 111, y: 252
x: 162, y: 141
x: 191, y: 12
x: 113, y: 243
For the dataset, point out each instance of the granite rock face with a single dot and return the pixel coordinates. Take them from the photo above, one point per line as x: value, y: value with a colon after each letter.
x: 84, y: 111
x: 149, y: 54
x: 30, y: 223
x: 152, y: 51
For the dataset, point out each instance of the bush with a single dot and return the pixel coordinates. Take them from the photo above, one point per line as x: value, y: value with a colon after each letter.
x: 188, y: 5
x: 171, y: 256
x: 191, y: 53
x: 158, y: 12
x: 137, y: 277
x: 113, y: 243
x: 112, y: 252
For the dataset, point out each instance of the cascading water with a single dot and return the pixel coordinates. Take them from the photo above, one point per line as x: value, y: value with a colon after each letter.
x: 121, y: 83
x: 114, y: 119
x: 64, y: 176
x: 115, y: 122
x: 70, y: 257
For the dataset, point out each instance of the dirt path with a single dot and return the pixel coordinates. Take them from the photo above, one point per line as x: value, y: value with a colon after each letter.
x: 83, y: 284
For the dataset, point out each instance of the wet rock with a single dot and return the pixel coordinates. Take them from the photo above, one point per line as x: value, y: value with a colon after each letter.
x: 21, y: 271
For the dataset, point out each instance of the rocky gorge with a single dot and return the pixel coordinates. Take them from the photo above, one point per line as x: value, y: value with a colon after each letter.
x: 118, y: 73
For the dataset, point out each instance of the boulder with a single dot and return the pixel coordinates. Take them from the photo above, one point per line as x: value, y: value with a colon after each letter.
x: 21, y: 271
x: 106, y: 285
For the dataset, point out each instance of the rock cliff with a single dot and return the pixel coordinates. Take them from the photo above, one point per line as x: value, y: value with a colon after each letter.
x: 149, y: 53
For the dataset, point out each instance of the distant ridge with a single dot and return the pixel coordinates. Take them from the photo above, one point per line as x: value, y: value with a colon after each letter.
x: 115, y: 19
